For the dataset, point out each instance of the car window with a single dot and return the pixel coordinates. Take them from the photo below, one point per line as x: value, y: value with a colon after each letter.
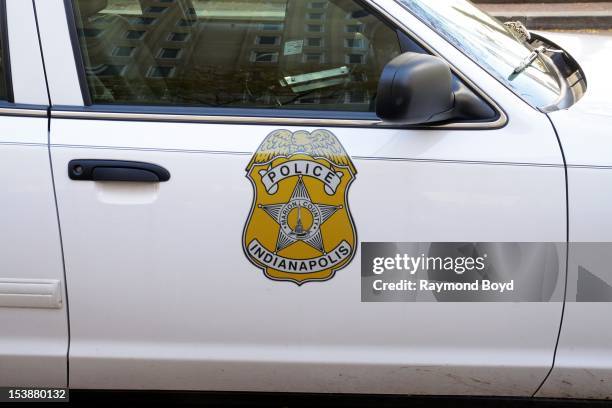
x: 282, y: 54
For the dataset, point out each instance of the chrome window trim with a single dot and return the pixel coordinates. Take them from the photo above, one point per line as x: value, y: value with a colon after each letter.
x: 121, y: 113
x: 24, y: 110
x: 261, y: 120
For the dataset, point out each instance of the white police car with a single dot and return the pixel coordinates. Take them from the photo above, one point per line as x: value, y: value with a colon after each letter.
x: 186, y: 183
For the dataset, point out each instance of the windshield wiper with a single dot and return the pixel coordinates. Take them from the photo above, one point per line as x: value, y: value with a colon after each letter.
x: 532, y: 57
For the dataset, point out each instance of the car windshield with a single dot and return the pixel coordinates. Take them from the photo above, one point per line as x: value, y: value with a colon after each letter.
x: 491, y: 45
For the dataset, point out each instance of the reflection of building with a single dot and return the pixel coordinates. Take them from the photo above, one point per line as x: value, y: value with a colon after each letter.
x: 126, y: 50
x: 226, y: 52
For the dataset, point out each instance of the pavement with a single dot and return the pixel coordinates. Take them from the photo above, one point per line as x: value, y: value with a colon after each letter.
x: 556, y: 16
x: 268, y: 400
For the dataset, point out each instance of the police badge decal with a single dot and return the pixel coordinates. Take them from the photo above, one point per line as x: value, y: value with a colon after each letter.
x: 300, y: 228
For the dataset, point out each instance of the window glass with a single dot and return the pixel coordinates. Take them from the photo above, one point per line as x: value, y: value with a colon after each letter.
x: 283, y: 54
x: 490, y: 44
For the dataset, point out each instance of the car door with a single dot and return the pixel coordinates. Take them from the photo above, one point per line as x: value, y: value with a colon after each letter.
x: 33, y: 308
x: 186, y: 281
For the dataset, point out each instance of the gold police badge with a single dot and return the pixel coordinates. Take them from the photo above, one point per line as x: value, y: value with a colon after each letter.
x: 300, y: 228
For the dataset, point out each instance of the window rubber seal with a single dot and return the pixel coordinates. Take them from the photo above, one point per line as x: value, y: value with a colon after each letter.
x: 6, y: 54
x: 71, y: 17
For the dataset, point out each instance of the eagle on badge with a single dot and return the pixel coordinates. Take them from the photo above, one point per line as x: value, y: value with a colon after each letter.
x: 300, y: 228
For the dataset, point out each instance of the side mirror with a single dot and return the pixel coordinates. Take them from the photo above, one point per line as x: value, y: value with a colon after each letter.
x: 415, y: 89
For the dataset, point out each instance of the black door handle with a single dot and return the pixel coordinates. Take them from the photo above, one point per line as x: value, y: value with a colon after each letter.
x: 116, y: 170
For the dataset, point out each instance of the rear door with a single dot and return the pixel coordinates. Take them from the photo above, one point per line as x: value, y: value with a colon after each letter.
x: 33, y: 307
x: 196, y: 278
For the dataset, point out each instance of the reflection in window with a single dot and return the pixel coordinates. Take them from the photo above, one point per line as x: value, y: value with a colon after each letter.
x: 160, y: 72
x: 356, y: 96
x: 169, y: 53
x: 141, y: 20
x: 178, y: 37
x: 313, y: 57
x: 134, y: 34
x: 124, y: 7
x: 156, y: 9
x: 271, y: 27
x: 309, y: 100
x: 315, y: 16
x: 241, y: 53
x: 317, y: 4
x: 265, y: 56
x: 89, y: 32
x: 267, y: 40
x: 355, y: 59
x: 186, y: 23
x: 314, y: 42
x: 123, y: 51
x: 359, y: 77
x: 110, y: 70
x: 354, y: 43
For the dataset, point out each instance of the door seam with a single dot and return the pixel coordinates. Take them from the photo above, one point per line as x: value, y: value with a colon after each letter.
x: 59, y: 226
x: 567, y: 255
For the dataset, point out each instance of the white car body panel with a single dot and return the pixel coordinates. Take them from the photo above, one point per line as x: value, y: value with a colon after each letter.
x: 166, y: 299
x: 34, y: 341
x: 34, y: 334
x: 150, y: 248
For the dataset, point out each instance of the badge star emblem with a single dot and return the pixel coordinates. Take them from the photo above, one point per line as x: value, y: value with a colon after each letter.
x: 300, y: 219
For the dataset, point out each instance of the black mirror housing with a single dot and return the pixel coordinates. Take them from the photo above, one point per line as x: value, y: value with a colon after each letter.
x: 415, y: 89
